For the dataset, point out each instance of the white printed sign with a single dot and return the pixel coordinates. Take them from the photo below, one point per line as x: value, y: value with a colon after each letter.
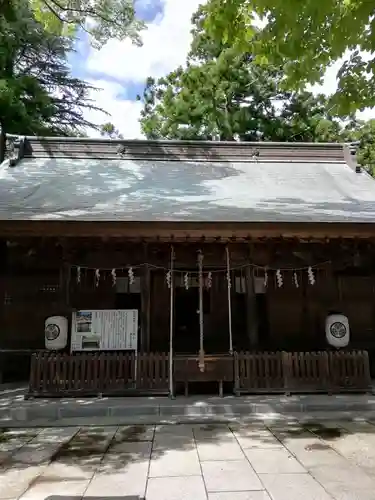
x: 105, y: 330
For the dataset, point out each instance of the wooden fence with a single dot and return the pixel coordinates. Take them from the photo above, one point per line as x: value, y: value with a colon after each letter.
x: 324, y: 371
x: 218, y: 368
x: 258, y: 371
x: 54, y: 374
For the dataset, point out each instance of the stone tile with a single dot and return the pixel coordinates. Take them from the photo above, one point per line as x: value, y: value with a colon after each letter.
x: 119, y: 479
x: 250, y: 437
x: 345, y: 483
x: 167, y: 441
x: 178, y: 430
x: 33, y: 454
x: 113, y: 463
x: 56, y: 435
x: 357, y: 447
x: 293, y: 487
x: 134, y: 433
x: 106, y: 431
x: 105, y: 497
x: 11, y: 441
x: 169, y: 463
x: 291, y: 432
x: 88, y: 442
x: 220, y: 450
x: 137, y: 449
x: 88, y: 464
x: 74, y: 471
x: 11, y: 445
x: 14, y: 482
x: 239, y: 495
x: 24, y: 434
x: 230, y: 476
x: 312, y: 451
x: 45, y: 489
x: 278, y: 461
x: 176, y: 488
x: 212, y: 432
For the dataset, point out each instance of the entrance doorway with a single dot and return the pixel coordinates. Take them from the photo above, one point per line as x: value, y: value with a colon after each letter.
x: 128, y: 295
x: 186, y: 338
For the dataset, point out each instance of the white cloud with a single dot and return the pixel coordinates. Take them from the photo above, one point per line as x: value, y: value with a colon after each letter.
x: 166, y: 43
x: 124, y: 114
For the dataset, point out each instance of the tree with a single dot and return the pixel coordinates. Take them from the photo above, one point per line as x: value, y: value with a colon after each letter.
x: 225, y: 94
x: 37, y: 93
x: 305, y: 38
x: 101, y: 19
x: 109, y: 130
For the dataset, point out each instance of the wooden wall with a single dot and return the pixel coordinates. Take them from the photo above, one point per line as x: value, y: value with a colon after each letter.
x: 31, y: 290
x: 36, y: 281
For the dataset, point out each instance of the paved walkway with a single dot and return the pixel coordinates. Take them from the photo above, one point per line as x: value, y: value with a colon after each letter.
x: 310, y: 461
x: 16, y: 412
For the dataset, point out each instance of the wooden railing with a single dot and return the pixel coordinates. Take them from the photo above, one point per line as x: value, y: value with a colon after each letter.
x: 55, y: 374
x: 324, y: 371
x: 349, y: 369
x: 307, y: 371
x: 153, y: 372
x: 218, y: 368
x: 258, y: 371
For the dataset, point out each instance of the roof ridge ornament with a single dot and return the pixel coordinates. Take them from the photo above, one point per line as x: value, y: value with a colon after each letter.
x: 15, y: 149
x: 255, y: 153
x: 350, y: 154
x: 121, y: 150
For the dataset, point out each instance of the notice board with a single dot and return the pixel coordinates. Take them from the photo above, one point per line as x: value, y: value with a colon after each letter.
x: 105, y: 329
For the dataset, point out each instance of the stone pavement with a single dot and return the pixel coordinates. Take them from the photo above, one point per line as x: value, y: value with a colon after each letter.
x: 16, y: 412
x: 310, y: 461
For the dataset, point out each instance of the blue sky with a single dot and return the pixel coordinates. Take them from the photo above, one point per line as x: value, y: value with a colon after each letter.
x: 120, y: 69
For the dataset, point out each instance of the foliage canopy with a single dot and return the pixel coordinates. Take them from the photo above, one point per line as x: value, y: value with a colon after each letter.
x: 305, y: 37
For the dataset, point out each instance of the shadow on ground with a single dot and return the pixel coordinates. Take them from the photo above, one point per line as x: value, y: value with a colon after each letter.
x: 109, y: 450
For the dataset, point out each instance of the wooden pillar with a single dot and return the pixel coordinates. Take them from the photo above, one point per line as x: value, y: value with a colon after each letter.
x: 3, y: 273
x: 65, y: 278
x: 251, y: 309
x: 145, y: 309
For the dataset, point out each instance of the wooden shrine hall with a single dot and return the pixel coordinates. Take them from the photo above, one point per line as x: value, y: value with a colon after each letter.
x: 140, y: 267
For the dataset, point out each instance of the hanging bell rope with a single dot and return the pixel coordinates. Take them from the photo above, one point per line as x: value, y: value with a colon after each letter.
x: 170, y: 282
x: 201, y: 363
x: 229, y: 286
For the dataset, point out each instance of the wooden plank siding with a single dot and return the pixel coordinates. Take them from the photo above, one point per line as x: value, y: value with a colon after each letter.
x: 37, y: 281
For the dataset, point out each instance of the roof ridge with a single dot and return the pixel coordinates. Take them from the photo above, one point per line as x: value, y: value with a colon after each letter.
x: 53, y: 147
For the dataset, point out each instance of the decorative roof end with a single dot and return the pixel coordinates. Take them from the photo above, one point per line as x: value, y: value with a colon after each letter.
x: 15, y: 149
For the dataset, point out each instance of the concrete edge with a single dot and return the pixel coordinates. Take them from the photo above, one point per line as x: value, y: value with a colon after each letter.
x: 263, y: 418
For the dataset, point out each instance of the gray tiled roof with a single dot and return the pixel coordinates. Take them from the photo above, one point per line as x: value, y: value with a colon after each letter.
x: 281, y: 183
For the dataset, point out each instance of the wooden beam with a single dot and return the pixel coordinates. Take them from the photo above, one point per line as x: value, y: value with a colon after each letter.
x: 145, y: 305
x: 180, y: 231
